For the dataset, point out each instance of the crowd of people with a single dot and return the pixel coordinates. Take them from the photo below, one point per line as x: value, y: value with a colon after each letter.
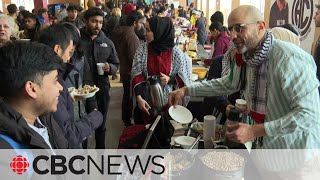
x: 138, y: 40
x: 265, y: 67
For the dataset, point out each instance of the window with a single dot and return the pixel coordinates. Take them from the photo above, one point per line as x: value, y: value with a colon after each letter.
x: 28, y: 4
x: 212, y: 7
x: 225, y: 8
x: 1, y: 9
x: 204, y: 8
x: 199, y: 4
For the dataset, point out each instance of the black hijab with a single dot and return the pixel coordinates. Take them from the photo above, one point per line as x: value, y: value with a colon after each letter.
x: 163, y: 32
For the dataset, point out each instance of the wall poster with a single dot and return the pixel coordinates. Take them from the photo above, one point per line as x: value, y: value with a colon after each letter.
x: 296, y: 12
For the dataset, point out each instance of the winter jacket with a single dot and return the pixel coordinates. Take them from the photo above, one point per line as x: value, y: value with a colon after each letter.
x: 77, y: 75
x: 100, y: 50
x: 202, y: 33
x: 126, y: 42
x: 15, y: 126
x: 74, y: 131
x: 221, y: 45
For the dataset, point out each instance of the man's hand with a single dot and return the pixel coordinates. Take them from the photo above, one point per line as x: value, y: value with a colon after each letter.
x: 164, y: 79
x: 143, y: 105
x: 176, y: 95
x: 77, y: 98
x: 242, y: 133
x: 228, y: 109
x: 106, y: 68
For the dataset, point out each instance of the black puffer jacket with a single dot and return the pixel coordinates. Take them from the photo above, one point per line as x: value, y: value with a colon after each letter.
x: 14, y: 125
x: 100, y: 50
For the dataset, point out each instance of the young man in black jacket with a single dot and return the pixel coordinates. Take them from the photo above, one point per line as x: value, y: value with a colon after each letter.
x: 99, y: 49
x: 60, y: 39
x: 29, y: 89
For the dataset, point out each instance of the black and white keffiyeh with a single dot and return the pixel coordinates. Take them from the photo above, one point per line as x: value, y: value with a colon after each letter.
x: 259, y: 63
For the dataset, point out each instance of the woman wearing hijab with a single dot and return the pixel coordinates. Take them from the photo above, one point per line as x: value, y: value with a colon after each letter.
x: 158, y: 56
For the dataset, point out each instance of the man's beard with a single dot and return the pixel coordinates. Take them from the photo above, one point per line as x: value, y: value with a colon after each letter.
x: 94, y: 32
x: 250, y: 42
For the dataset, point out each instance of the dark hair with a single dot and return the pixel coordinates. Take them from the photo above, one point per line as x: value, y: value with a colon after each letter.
x: 216, y: 25
x: 41, y: 11
x: 12, y: 8
x: 73, y: 7
x: 24, y: 12
x: 74, y: 32
x: 292, y: 28
x: 24, y: 61
x: 140, y: 7
x: 63, y: 6
x: 162, y: 9
x: 80, y: 8
x: 172, y: 6
x: 56, y: 34
x: 133, y: 16
x: 93, y: 12
x: 29, y: 15
x: 318, y: 6
x: 217, y: 16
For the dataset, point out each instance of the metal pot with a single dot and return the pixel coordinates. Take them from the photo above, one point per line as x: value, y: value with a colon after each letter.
x: 156, y: 93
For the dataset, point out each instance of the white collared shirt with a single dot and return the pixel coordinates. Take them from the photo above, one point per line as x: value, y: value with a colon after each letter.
x: 42, y: 131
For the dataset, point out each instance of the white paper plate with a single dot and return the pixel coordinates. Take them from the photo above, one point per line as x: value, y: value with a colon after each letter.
x: 185, y: 141
x: 180, y: 114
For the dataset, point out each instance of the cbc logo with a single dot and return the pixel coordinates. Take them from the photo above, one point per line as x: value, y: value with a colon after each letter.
x: 19, y: 164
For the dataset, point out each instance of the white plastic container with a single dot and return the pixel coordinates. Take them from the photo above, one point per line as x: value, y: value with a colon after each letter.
x: 209, y: 131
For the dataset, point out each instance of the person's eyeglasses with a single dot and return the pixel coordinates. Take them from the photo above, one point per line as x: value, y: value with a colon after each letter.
x: 238, y: 27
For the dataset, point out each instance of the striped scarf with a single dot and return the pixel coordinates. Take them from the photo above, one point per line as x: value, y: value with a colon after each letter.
x: 259, y: 62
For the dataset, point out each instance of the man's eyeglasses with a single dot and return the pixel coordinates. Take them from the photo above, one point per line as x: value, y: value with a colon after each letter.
x: 237, y: 28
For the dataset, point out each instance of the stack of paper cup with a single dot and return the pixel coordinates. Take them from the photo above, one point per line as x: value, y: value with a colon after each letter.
x: 209, y: 131
x: 241, y: 106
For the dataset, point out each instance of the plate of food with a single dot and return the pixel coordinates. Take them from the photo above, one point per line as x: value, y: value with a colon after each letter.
x: 86, y: 91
